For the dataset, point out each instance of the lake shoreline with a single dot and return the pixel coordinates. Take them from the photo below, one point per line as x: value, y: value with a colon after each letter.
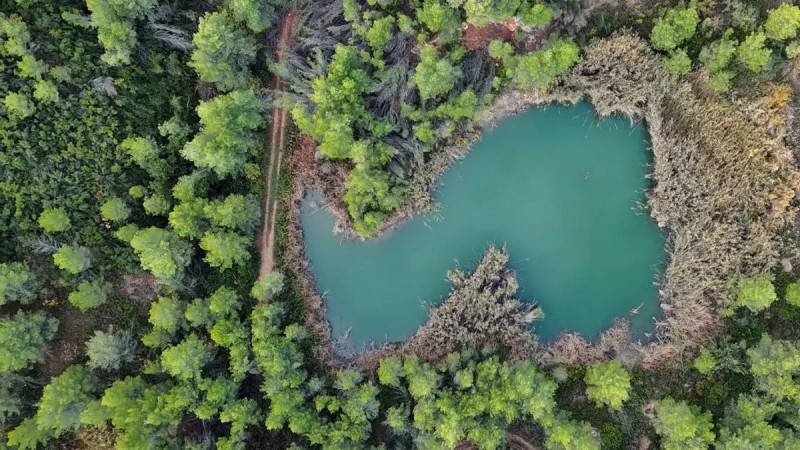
x: 691, y: 299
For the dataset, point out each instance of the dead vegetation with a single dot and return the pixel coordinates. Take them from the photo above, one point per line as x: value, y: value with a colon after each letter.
x: 723, y: 182
x: 479, y: 311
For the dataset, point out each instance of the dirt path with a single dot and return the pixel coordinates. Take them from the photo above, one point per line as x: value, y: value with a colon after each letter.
x: 272, y: 167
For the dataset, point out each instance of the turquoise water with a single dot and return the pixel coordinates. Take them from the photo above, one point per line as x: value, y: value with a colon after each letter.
x: 560, y: 188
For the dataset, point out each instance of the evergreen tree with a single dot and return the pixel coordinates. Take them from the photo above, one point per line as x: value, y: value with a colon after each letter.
x: 114, y: 20
x: 161, y: 252
x: 72, y: 259
x: 23, y: 339
x: 227, y: 136
x: 224, y: 249
x: 17, y: 283
x: 222, y: 51
x: 682, y: 427
x: 90, y: 294
x: 783, y: 22
x: 187, y: 359
x: 110, y: 350
x: 675, y: 28
x: 608, y: 384
x: 114, y: 209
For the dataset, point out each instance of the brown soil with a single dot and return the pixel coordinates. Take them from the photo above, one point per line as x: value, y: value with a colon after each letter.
x: 67, y: 344
x: 476, y: 38
x: 271, y: 167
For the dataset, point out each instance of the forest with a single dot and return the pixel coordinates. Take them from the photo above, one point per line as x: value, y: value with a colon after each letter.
x: 154, y: 293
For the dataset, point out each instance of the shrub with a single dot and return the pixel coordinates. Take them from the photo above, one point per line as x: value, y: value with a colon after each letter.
x: 481, y: 309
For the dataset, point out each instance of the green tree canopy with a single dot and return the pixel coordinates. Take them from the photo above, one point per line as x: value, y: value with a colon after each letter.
x: 222, y: 51
x: 17, y: 283
x: 370, y: 192
x: 110, y: 350
x: 114, y: 209
x: 114, y: 20
x: 54, y: 220
x: 73, y: 259
x: 227, y: 136
x: 161, y: 252
x: 18, y: 105
x: 224, y: 249
x: 64, y: 399
x: 90, y: 294
x: 186, y: 218
x: 782, y: 22
x: 608, y: 384
x: 538, y: 70
x: 792, y: 293
x: 675, y: 28
x: 23, y: 339
x: 682, y: 427
x: 678, y: 63
x: 187, y: 359
x: 481, y: 12
x: 17, y: 36
x: 268, y: 286
x: 753, y: 52
x: 258, y: 15
x: 775, y: 365
x: 45, y: 91
x: 755, y: 294
x: 434, y: 76
x: 236, y: 211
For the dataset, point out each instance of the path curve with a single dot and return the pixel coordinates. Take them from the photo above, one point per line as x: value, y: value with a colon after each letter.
x: 271, y: 167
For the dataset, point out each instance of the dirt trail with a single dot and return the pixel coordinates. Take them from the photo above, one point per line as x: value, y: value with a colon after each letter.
x: 272, y: 167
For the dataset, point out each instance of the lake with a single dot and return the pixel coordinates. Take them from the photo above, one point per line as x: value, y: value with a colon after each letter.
x: 560, y: 188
